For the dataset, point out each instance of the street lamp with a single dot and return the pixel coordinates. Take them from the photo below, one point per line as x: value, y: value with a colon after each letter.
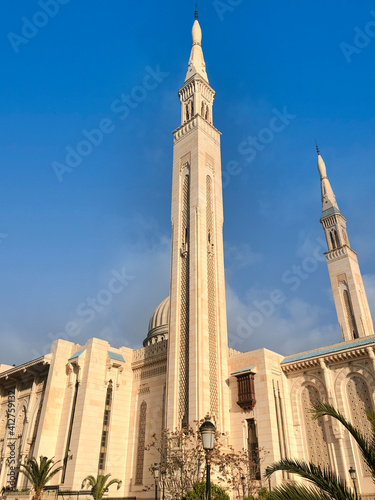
x: 243, y: 481
x: 207, y: 430
x: 268, y: 470
x: 163, y: 474
x: 155, y: 471
x: 353, y: 477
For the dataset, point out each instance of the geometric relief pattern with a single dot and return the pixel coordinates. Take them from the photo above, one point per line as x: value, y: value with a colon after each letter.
x: 20, y: 425
x: 211, y: 290
x: 3, y: 428
x: 141, y: 443
x: 315, y: 432
x: 359, y: 400
x: 183, y: 407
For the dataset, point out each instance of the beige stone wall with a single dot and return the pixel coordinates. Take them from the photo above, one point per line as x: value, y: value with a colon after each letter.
x: 274, y: 432
x: 331, y: 376
x: 149, y: 366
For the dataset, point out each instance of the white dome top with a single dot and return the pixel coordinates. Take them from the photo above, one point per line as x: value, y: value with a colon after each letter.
x: 160, y: 317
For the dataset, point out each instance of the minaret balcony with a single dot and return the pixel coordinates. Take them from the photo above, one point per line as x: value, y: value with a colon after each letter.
x: 338, y: 253
x: 196, y: 122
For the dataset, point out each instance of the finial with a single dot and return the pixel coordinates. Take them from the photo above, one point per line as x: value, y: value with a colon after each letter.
x: 317, y: 147
x: 196, y: 11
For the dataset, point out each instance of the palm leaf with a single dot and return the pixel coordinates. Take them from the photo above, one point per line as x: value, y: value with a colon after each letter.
x: 324, y: 479
x: 294, y: 491
x: 365, y: 444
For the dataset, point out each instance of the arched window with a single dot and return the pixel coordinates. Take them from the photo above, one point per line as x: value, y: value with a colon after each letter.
x: 187, y: 112
x: 315, y: 432
x: 332, y: 240
x: 352, y: 326
x: 360, y: 402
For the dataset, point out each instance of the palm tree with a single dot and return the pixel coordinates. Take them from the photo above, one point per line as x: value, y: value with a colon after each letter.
x: 326, y: 485
x: 99, y: 485
x: 39, y: 474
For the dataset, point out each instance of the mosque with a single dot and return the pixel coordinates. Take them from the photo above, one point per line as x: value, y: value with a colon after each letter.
x: 94, y: 406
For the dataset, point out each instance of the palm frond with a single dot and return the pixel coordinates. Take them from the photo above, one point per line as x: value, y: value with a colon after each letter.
x: 365, y: 444
x: 323, y: 478
x: 99, y: 484
x: 39, y: 474
x: 296, y: 491
x: 113, y: 481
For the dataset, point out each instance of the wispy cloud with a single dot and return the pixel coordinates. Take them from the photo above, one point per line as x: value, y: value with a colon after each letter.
x: 241, y: 256
x: 290, y: 327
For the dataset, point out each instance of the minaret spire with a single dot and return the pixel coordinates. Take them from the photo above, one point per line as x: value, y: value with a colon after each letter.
x: 349, y: 294
x: 196, y: 61
x: 328, y: 197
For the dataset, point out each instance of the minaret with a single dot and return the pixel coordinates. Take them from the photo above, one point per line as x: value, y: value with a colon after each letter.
x: 349, y: 294
x: 197, y: 345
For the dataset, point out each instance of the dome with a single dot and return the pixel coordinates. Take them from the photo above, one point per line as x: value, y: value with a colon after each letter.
x: 158, y: 326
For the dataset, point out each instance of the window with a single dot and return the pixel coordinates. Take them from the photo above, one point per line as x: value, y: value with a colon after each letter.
x: 101, y: 461
x: 105, y: 429
x: 253, y: 449
x: 246, y: 391
x: 104, y: 439
x: 350, y: 315
x: 332, y: 240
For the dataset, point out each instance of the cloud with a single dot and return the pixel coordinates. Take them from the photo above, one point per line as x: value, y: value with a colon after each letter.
x: 121, y: 317
x: 290, y: 326
x: 240, y: 256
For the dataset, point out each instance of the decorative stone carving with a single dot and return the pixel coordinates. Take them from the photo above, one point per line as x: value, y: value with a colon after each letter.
x: 141, y: 443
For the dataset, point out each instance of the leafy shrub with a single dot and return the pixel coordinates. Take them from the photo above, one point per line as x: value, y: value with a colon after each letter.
x: 199, y: 492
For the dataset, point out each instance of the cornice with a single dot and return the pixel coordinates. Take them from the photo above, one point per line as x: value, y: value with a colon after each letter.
x: 351, y: 353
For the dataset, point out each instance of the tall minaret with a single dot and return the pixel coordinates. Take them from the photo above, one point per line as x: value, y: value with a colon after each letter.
x: 348, y: 292
x: 197, y: 345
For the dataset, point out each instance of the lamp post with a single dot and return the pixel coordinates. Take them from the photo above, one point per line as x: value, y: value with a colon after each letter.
x: 207, y: 430
x: 155, y: 471
x: 268, y: 469
x: 163, y: 474
x: 353, y: 477
x: 243, y: 481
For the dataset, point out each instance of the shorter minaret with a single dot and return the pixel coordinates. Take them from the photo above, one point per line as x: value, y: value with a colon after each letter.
x: 349, y: 294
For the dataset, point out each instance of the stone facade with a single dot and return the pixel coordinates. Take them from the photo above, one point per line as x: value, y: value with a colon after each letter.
x: 95, y: 407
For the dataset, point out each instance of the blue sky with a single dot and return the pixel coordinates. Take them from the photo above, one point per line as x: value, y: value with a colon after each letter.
x: 105, y: 224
